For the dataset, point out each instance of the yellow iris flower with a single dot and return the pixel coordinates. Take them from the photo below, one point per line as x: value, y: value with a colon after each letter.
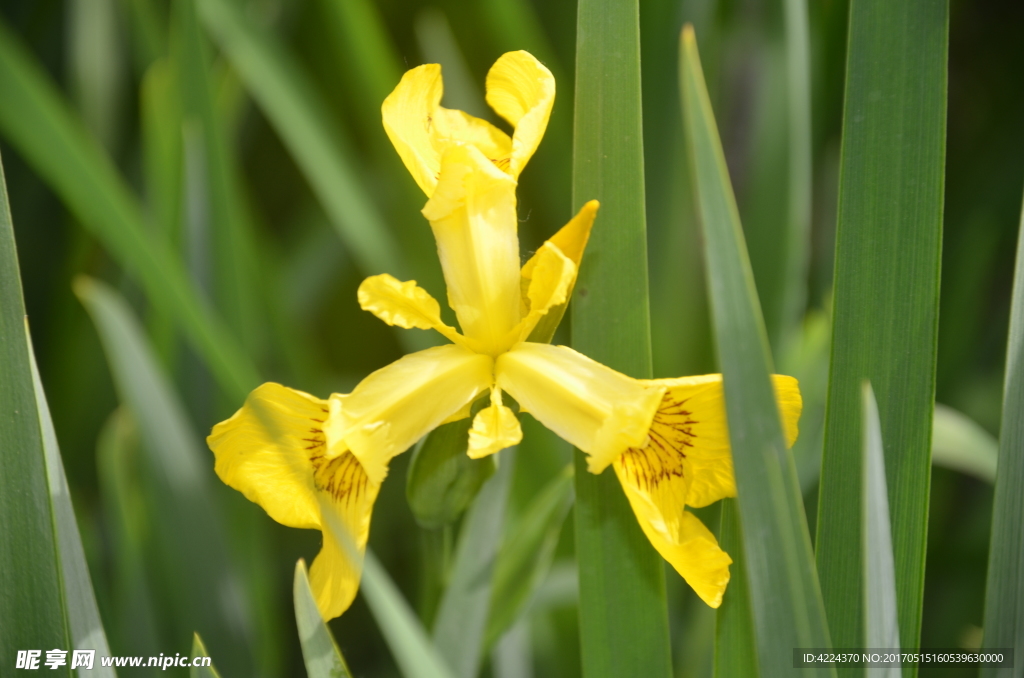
x: 299, y: 456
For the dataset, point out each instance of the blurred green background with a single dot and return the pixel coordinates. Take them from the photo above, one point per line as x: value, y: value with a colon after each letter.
x: 224, y: 181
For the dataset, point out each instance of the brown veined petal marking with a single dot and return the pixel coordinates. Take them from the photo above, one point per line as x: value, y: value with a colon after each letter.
x: 656, y: 480
x: 345, y: 491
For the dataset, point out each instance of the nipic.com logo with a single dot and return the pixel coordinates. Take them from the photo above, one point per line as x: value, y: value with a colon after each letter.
x: 84, y: 659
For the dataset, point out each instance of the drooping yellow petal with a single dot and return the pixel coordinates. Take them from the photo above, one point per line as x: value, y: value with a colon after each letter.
x: 404, y: 304
x: 408, y: 117
x: 345, y: 495
x: 396, y: 405
x: 495, y: 428
x: 521, y: 90
x: 473, y: 215
x: 595, y: 408
x: 654, y: 484
x: 691, y: 421
x: 570, y: 241
x: 264, y: 452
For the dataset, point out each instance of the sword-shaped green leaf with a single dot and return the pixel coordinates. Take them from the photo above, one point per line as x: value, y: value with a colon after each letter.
x: 32, y: 601
x: 319, y: 651
x: 881, y: 625
x: 1004, y: 591
x: 886, y: 297
x: 784, y: 595
x: 623, y: 615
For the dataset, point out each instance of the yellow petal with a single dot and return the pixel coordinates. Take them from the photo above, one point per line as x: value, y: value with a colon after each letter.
x: 654, y: 484
x: 450, y: 126
x: 553, y: 275
x: 346, y: 498
x: 691, y: 421
x: 521, y: 90
x: 264, y: 452
x: 404, y: 304
x: 570, y: 241
x: 397, y: 405
x: 421, y: 129
x: 572, y: 238
x: 495, y: 428
x: 473, y: 216
x: 408, y: 117
x: 595, y: 408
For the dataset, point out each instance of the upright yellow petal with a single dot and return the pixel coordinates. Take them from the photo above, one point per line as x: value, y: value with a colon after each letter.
x: 521, y: 90
x: 408, y: 120
x: 473, y: 216
x: 495, y: 428
x: 346, y: 496
x: 595, y: 408
x: 450, y: 126
x: 404, y: 304
x: 397, y: 405
x: 265, y: 449
x: 570, y: 241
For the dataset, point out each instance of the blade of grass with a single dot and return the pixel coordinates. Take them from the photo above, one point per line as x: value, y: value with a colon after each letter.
x: 320, y: 653
x: 199, y: 650
x: 233, y: 250
x: 127, y: 522
x: 31, y: 597
x: 959, y: 443
x: 886, y: 293
x: 798, y: 231
x: 623, y: 615
x: 1004, y: 590
x: 188, y: 522
x: 462, y: 614
x: 525, y: 558
x: 38, y: 123
x: 362, y: 42
x: 301, y: 118
x: 735, y: 647
x: 881, y: 626
x: 785, y: 600
x: 83, y: 615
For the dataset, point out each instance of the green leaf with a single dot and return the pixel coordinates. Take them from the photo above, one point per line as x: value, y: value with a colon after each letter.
x: 31, y: 596
x: 784, y: 596
x: 321, y: 654
x: 301, y: 118
x: 214, y: 184
x: 623, y: 616
x: 462, y: 614
x: 410, y: 645
x: 798, y: 203
x: 1004, y: 590
x: 881, y: 625
x: 83, y: 615
x: 199, y: 650
x: 191, y: 537
x: 735, y: 647
x: 525, y: 558
x: 442, y: 480
x: 886, y: 295
x: 961, y: 444
x: 127, y: 521
x: 38, y: 123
